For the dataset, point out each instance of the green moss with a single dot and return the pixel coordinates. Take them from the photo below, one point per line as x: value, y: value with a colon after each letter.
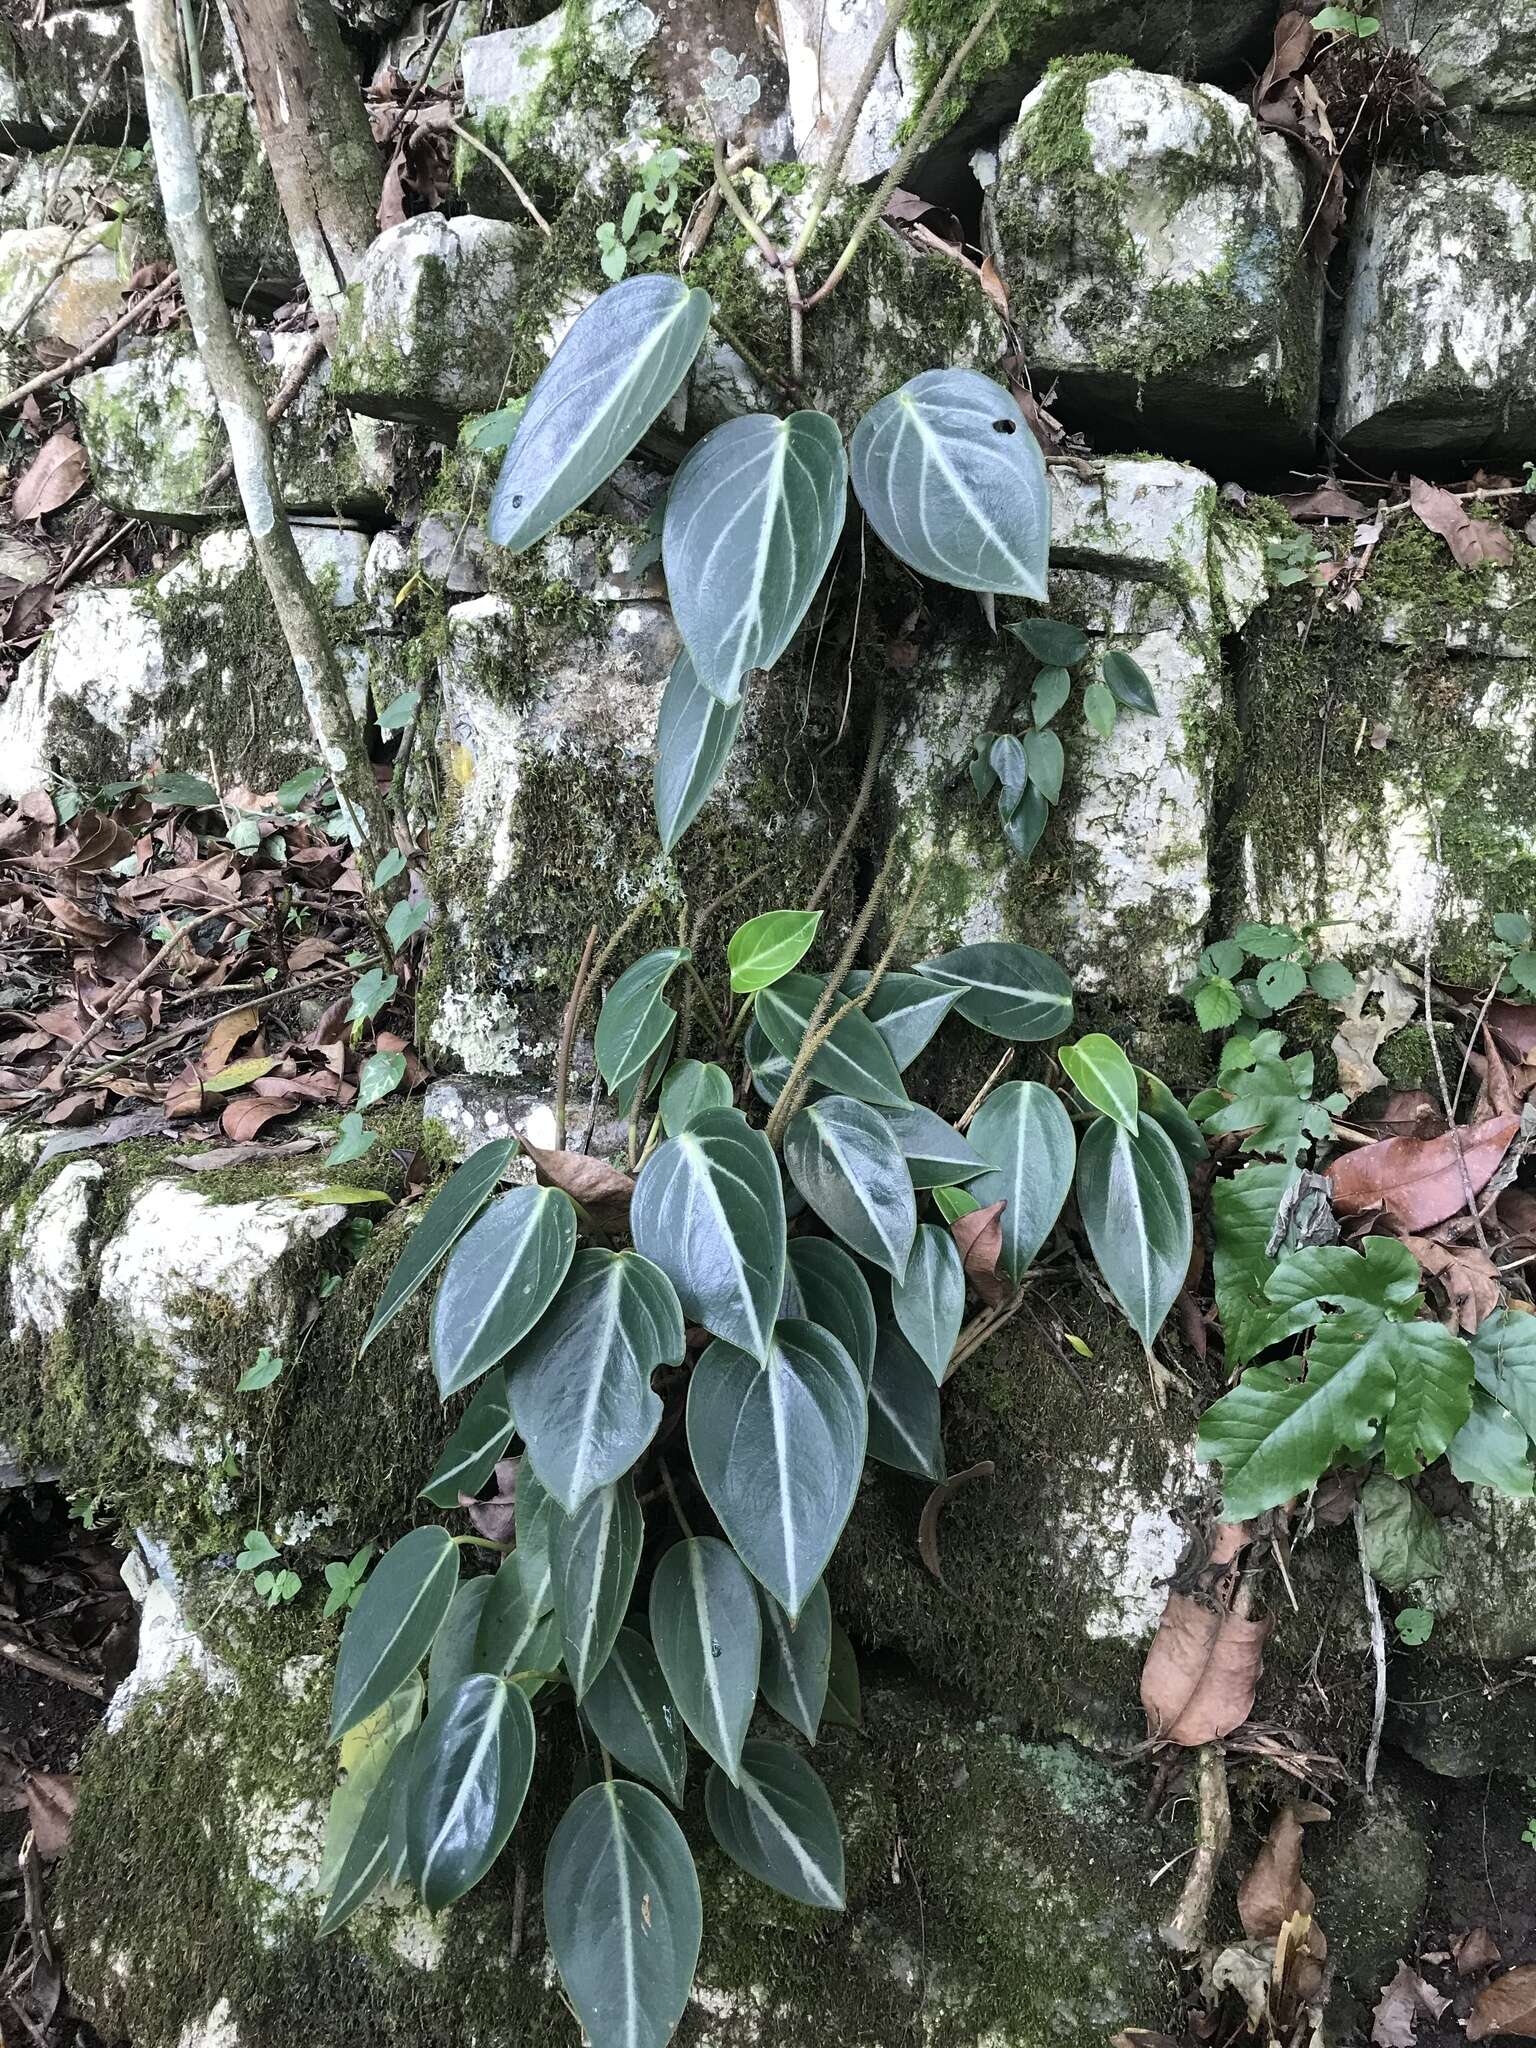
x: 1053, y: 131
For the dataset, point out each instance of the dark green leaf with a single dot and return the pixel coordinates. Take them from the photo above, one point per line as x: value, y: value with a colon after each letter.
x: 752, y: 518
x: 447, y: 1216
x: 399, y: 711
x: 1052, y: 641
x: 366, y: 1863
x: 1492, y: 1449
x: 1052, y: 688
x: 764, y: 949
x: 518, y: 1637
x: 854, y: 1061
x: 708, y: 1640
x: 453, y: 1647
x: 634, y: 1021
x: 1400, y: 1540
x: 688, y: 1088
x: 613, y: 374
x: 1023, y: 826
x: 1331, y: 980
x: 824, y: 1285
x: 1129, y: 682
x: 953, y: 482
x: 538, y: 1517
x: 904, y: 1409
x: 846, y: 1162
x: 1103, y: 1076
x: 1009, y: 990
x: 1027, y: 1140
x: 777, y: 1822
x: 707, y: 1209
x: 1158, y: 1101
x: 390, y: 1630
x: 694, y: 736
x: 797, y: 1659
x: 470, y: 1454
x: 580, y: 1382
x: 504, y: 1273
x: 1010, y: 764
x: 936, y: 1154
x: 845, y: 1706
x: 1100, y: 708
x: 470, y: 1767
x: 929, y: 1304
x: 1504, y: 1355
x: 176, y: 787
x: 1047, y: 763
x: 906, y: 1010
x: 1243, y: 1211
x: 1512, y: 928
x: 633, y: 1716
x: 597, y: 1554
x: 778, y: 1448
x: 1133, y: 1197
x: 623, y: 1915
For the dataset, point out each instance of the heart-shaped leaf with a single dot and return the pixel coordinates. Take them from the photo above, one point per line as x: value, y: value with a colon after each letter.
x: 447, y: 1216
x: 708, y: 1211
x: 936, y: 1154
x: 797, y: 1659
x: 1026, y: 1137
x: 929, y: 1303
x: 752, y: 518
x: 765, y: 948
x: 854, y: 1061
x: 597, y: 1554
x: 778, y: 1448
x: 1054, y: 642
x: 537, y: 1518
x: 1009, y: 990
x: 1103, y: 1076
x: 1046, y: 763
x: 623, y: 1915
x: 1133, y: 1197
x: 844, y: 1159
x: 688, y: 1088
x: 634, y: 1021
x: 470, y: 1766
x: 906, y: 1010
x: 904, y: 1409
x: 694, y: 736
x: 824, y: 1285
x: 1128, y: 681
x: 953, y: 481
x: 470, y: 1454
x: 777, y: 1822
x: 390, y: 1630
x: 634, y: 1717
x: 609, y: 379
x: 708, y: 1640
x: 845, y: 1705
x: 504, y: 1273
x: 1049, y: 691
x: 580, y: 1382
x: 1158, y: 1101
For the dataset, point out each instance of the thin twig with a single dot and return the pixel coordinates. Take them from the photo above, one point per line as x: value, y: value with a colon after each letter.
x: 287, y: 392
x: 1378, y: 1655
x: 423, y: 77
x: 1472, y: 1035
x: 1468, y: 1196
x: 568, y: 1036
x: 848, y: 127
x: 465, y: 135
x: 1185, y: 1932
x: 985, y: 1089
x: 173, y: 944
x: 91, y: 349
x: 51, y: 1667
x: 877, y: 731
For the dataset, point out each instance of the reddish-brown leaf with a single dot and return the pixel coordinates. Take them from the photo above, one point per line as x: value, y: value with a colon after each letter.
x: 224, y: 1037
x: 79, y: 923
x: 1416, y: 1181
x: 602, y: 1190
x: 1514, y: 1026
x: 1471, y: 541
x: 57, y: 471
x: 1507, y: 2006
x: 933, y: 1507
x: 979, y: 1240
x: 1205, y: 1661
x: 1326, y: 502
x: 243, y: 1119
x: 51, y: 1798
x: 1465, y: 1271
x: 1274, y: 1888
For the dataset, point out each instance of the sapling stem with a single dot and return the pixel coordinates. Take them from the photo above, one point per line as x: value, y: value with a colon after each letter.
x: 848, y: 127
x: 675, y: 1504
x: 878, y: 725
x: 733, y: 199
x: 567, y: 1037
x: 484, y: 1543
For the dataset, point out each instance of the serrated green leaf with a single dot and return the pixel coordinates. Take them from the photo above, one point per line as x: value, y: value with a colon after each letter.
x: 391, y: 1628
x: 904, y: 1409
x: 688, y: 1088
x: 471, y: 1764
x: 1011, y: 991
x: 797, y: 1659
x: 1217, y: 1004
x: 634, y: 1717
x: 777, y: 1823
x: 1103, y: 1076
x: 708, y: 1639
x: 694, y: 736
x: 845, y: 1160
x: 1052, y: 641
x: 1128, y: 682
x: 634, y: 1020
x: 504, y: 1273
x: 1133, y: 1197
x: 1331, y: 980
x: 1280, y: 982
x: 854, y: 1061
x: 1027, y: 1140
x: 597, y: 1556
x: 929, y: 1303
x: 1266, y: 941
x: 1400, y: 1540
x: 469, y: 1456
x: 765, y: 948
x: 449, y: 1214
x: 823, y: 1284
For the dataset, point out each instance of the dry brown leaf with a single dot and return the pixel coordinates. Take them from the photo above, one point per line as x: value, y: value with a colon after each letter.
x: 1361, y: 1035
x: 1465, y: 1271
x: 1404, y: 2002
x: 602, y: 1190
x: 217, y: 1157
x: 1514, y: 1026
x: 224, y: 1037
x: 1471, y: 541
x: 58, y: 470
x: 1507, y: 2006
x: 1326, y: 502
x: 51, y: 1798
x: 1417, y: 1181
x: 979, y: 1241
x: 933, y: 1507
x: 1205, y: 1661
x: 243, y: 1119
x: 1474, y: 1951
x: 1274, y: 1889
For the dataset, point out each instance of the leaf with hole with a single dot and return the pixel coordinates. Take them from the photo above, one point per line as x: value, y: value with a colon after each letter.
x: 688, y: 1088
x: 936, y: 1154
x: 622, y: 1914
x: 778, y: 1448
x: 366, y: 1864
x: 855, y: 1060
x: 1133, y: 1197
x: 391, y: 1628
x: 449, y: 1214
x: 764, y: 949
x: 634, y: 1020
x: 1128, y: 682
x: 953, y: 481
x: 752, y: 518
x: 470, y: 1766
x: 777, y: 1823
x: 504, y: 1273
x: 797, y: 1659
x: 694, y: 736
x: 845, y: 1160
x: 1054, y: 642
x: 613, y: 374
x: 470, y: 1454
x: 596, y: 1554
x: 1025, y: 1135
x: 708, y: 1210
x: 823, y: 1284
x: 633, y: 1716
x: 708, y: 1639
x: 580, y: 1382
x: 1280, y: 982
x: 1011, y: 991
x: 1103, y: 1076
x: 904, y: 1409
x: 929, y: 1303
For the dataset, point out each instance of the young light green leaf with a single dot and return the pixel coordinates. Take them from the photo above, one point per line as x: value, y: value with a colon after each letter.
x: 580, y: 1382
x: 609, y: 379
x: 953, y: 1203
x: 845, y: 1160
x: 1103, y: 1076
x: 1414, y: 1625
x: 257, y: 1550
x: 470, y: 1454
x: 1133, y: 1197
x: 854, y: 1061
x: 622, y: 1914
x: 502, y: 1276
x: 1400, y: 1540
x: 405, y: 920
x: 1100, y: 708
x: 1280, y: 982
x: 1025, y: 1135
x: 688, y: 1088
x: 1217, y: 1004
x: 269, y: 1364
x: 391, y: 1628
x: 1051, y: 689
x: 470, y: 1766
x: 353, y: 1141
x: 1128, y: 682
x: 752, y: 518
x: 824, y: 1285
x: 391, y: 865
x: 906, y: 1010
x: 778, y: 1448
x: 634, y: 1020
x: 380, y: 1075
x: 929, y: 1303
x: 708, y: 1641
x: 1492, y: 1449
x: 936, y: 1154
x: 904, y: 1409
x: 953, y: 482
x: 797, y: 1659
x: 694, y: 736
x: 1053, y: 641
x: 1009, y: 990
x: 777, y: 1822
x: 448, y: 1215
x: 366, y: 1863
x: 765, y: 948
x: 707, y: 1209
x: 634, y: 1717
x: 597, y: 1555
x: 1047, y: 763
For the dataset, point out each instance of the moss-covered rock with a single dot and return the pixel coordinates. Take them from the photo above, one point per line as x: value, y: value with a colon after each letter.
x: 60, y: 284
x: 1370, y: 1870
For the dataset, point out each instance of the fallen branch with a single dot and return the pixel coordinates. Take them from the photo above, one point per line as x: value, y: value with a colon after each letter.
x: 130, y: 989
x: 91, y: 349
x: 1378, y: 1655
x: 1185, y: 1932
x: 52, y: 1667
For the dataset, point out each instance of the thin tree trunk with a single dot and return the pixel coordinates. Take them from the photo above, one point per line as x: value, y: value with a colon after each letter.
x: 240, y: 402
x: 315, y: 128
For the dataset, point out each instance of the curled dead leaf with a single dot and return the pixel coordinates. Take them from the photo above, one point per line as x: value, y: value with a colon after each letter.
x: 1417, y: 1181
x: 51, y: 1798
x: 1471, y: 541
x: 57, y: 472
x: 979, y: 1241
x: 1274, y: 1889
x: 602, y: 1190
x: 243, y: 1119
x: 934, y: 1506
x: 1205, y: 1661
x: 1404, y: 2002
x: 1507, y: 2006
x: 1466, y: 1272
x: 1474, y: 1951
